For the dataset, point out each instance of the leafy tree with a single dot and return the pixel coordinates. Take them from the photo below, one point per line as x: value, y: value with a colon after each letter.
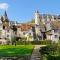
x: 14, y: 40
x: 15, y: 32
x: 32, y: 21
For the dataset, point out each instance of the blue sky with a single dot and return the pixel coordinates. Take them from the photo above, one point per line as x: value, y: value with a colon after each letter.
x: 23, y: 10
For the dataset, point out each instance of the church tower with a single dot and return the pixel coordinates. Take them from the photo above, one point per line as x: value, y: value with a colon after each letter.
x: 37, y: 18
x: 37, y: 23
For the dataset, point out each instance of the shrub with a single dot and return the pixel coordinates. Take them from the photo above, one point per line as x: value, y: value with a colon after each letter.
x: 45, y: 50
x: 51, y: 51
x: 50, y: 57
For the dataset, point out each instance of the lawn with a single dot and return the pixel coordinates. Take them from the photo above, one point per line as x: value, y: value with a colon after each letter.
x: 19, y: 50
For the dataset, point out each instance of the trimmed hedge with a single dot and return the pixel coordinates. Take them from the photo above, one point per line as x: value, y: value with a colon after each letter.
x: 44, y: 42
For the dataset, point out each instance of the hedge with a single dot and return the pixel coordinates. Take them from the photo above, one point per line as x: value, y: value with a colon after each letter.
x: 50, y: 57
x: 44, y: 42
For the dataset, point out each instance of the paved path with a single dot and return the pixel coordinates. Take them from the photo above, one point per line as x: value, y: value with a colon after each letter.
x: 36, y: 55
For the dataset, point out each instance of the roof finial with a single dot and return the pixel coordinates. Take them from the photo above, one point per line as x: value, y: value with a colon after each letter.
x: 37, y: 11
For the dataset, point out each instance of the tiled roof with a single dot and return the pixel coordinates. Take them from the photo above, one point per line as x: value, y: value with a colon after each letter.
x: 55, y: 24
x: 25, y: 27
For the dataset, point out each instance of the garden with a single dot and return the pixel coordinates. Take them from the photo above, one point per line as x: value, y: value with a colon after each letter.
x: 23, y: 49
x: 50, y: 52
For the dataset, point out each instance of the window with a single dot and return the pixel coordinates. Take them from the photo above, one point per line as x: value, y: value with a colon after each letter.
x: 3, y: 27
x: 56, y: 36
x: 7, y: 35
x: 55, y: 30
x: 59, y: 37
x: 23, y: 33
x: 33, y: 29
x: 7, y: 30
x: 29, y: 33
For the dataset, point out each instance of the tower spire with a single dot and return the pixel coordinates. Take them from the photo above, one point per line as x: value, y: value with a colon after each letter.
x: 37, y: 11
x: 5, y: 14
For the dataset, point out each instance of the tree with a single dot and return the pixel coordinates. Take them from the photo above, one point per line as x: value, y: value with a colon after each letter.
x: 32, y: 21
x: 14, y: 28
x: 14, y: 40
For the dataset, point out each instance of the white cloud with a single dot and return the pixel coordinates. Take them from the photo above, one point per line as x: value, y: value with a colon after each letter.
x: 4, y: 6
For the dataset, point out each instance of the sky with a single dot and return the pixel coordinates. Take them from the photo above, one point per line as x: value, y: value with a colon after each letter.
x: 23, y: 10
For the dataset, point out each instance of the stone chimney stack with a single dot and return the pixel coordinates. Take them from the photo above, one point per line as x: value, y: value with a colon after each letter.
x: 52, y: 19
x: 48, y: 18
x: 48, y: 23
x: 43, y: 20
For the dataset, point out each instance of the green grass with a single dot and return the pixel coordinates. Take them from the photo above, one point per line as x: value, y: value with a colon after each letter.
x: 19, y: 50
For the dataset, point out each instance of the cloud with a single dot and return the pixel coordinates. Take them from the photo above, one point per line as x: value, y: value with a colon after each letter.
x: 4, y: 6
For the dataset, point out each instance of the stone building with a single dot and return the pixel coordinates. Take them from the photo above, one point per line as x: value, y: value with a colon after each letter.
x: 5, y: 28
x: 47, y: 26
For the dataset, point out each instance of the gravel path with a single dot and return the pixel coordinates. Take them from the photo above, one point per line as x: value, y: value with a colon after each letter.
x: 36, y: 55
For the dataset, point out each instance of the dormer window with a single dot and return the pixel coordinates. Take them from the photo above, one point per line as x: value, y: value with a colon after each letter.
x: 56, y: 36
x: 7, y: 30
